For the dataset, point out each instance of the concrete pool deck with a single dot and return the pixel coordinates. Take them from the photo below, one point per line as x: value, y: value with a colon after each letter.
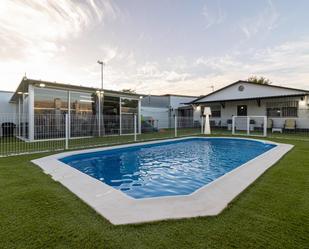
x: 120, y: 208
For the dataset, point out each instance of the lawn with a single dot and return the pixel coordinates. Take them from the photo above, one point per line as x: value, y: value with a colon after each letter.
x: 36, y: 212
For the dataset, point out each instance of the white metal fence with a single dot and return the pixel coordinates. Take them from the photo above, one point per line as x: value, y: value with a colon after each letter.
x: 249, y: 125
x: 54, y: 132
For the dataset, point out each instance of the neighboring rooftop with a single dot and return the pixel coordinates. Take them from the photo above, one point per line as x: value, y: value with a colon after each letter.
x: 245, y: 90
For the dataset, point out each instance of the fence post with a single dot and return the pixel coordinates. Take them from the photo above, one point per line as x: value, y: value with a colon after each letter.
x: 233, y: 125
x: 135, y: 127
x: 248, y: 125
x: 265, y: 126
x: 66, y: 131
x: 202, y: 124
x: 175, y: 125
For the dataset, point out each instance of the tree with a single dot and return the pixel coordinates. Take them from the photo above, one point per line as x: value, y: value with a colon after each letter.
x: 128, y: 91
x: 259, y: 80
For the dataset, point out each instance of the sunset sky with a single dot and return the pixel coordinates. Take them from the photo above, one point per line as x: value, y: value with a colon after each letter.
x: 154, y: 46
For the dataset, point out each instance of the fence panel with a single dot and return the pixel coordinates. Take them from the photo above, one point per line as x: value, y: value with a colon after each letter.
x: 20, y: 134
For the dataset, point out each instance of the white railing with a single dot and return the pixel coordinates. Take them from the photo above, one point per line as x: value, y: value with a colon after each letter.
x: 61, y: 131
x: 249, y: 125
x: 55, y: 132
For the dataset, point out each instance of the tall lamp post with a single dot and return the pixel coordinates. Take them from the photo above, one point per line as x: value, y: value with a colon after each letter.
x: 100, y: 93
x: 102, y: 65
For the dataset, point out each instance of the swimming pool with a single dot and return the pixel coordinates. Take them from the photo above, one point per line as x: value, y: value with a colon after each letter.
x: 167, y: 168
x: 183, y: 177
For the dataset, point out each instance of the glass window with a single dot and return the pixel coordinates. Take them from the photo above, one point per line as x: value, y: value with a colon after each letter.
x: 111, y: 105
x: 129, y: 107
x: 273, y: 112
x: 82, y: 103
x: 282, y: 109
x: 289, y: 111
x: 216, y: 111
x: 50, y: 101
x: 111, y: 111
x: 50, y: 105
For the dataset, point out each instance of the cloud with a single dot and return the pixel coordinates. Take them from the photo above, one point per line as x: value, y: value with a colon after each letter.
x: 35, y: 28
x: 213, y: 15
x: 35, y: 35
x: 285, y: 64
x: 264, y: 21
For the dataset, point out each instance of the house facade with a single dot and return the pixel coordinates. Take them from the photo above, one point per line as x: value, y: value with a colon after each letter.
x: 40, y: 108
x: 244, y: 98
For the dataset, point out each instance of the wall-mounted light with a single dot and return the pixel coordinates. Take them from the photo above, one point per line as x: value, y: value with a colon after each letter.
x: 302, y: 101
x: 19, y: 93
x: 140, y: 97
x: 87, y: 101
x: 198, y: 108
x: 42, y: 85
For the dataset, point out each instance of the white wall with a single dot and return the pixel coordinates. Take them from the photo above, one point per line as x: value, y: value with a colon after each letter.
x: 230, y: 110
x: 5, y: 106
x: 249, y: 91
x: 7, y: 110
x: 157, y: 107
x: 160, y: 115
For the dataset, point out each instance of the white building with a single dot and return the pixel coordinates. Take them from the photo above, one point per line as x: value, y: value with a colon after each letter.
x: 37, y: 110
x: 244, y: 98
x: 7, y: 109
x: 161, y: 109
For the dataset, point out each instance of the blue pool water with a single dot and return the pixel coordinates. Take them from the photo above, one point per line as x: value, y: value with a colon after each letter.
x: 167, y: 168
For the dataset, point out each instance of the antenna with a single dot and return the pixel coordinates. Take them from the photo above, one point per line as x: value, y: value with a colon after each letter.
x: 212, y: 87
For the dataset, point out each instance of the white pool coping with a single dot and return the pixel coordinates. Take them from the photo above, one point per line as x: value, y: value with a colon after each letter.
x: 120, y: 208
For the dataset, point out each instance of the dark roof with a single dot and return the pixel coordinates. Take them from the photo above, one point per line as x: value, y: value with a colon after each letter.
x: 244, y: 81
x: 254, y: 98
x: 169, y: 95
x: 23, y: 86
x: 180, y: 95
x: 4, y: 91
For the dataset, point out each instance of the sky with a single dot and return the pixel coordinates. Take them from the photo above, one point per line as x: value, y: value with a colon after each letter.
x: 155, y: 46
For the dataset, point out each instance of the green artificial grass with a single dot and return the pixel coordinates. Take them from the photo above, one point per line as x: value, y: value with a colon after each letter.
x: 37, y: 212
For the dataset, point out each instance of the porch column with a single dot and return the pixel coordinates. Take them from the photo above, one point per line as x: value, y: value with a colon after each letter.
x: 139, y: 116
x: 19, y: 128
x: 69, y: 114
x: 31, y: 112
x: 120, y: 121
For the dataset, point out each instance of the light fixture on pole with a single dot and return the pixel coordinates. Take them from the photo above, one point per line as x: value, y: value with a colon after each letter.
x: 207, y: 113
x: 102, y: 65
x: 101, y: 102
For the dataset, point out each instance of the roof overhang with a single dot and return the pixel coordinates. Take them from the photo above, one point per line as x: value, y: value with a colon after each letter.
x: 247, y: 99
x: 24, y: 84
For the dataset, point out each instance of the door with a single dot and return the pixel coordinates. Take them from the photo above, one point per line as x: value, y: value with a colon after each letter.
x: 241, y: 110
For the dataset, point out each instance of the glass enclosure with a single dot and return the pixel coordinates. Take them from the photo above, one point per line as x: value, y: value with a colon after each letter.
x: 129, y: 108
x: 83, y: 108
x: 90, y: 113
x: 111, y: 112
